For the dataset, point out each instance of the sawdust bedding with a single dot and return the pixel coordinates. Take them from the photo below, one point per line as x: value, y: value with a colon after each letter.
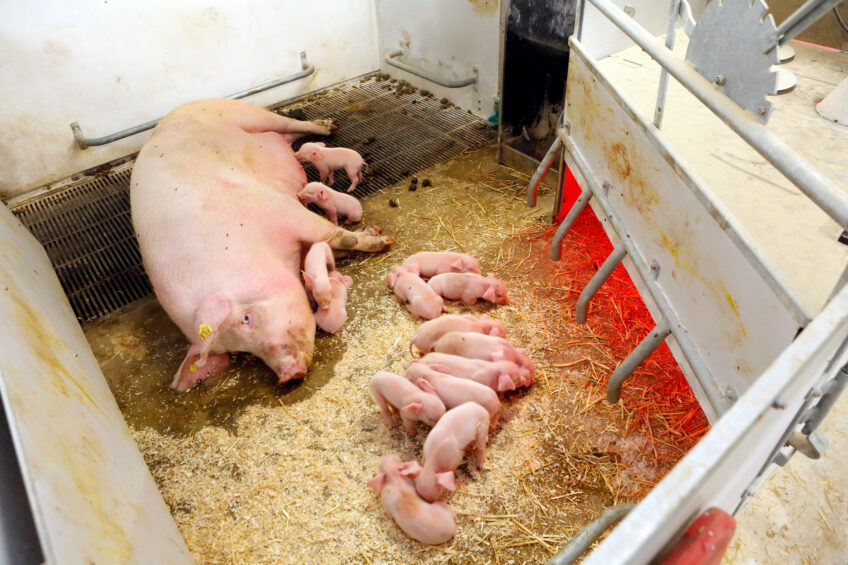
x: 287, y: 483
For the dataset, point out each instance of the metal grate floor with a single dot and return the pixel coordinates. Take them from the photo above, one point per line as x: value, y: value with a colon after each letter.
x: 84, y: 222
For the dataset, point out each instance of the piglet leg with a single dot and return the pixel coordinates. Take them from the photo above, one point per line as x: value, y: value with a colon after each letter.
x: 481, y: 437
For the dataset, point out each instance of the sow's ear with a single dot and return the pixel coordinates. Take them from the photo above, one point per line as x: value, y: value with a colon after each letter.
x: 209, y: 319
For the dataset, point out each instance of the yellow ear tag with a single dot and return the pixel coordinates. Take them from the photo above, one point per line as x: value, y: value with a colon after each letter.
x: 192, y: 368
x: 203, y: 331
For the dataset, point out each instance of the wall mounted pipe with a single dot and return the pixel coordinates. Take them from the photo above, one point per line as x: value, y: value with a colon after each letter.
x: 626, y: 368
x: 84, y: 142
x: 806, y: 177
x: 615, y: 258
x: 541, y: 171
x: 459, y: 83
x: 563, y: 228
x: 589, y: 534
x: 717, y: 401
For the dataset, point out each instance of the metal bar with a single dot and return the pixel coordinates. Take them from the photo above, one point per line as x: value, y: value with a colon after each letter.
x: 669, y: 43
x: 85, y: 142
x: 578, y: 19
x: 802, y: 18
x: 626, y: 368
x: 615, y: 258
x: 390, y: 59
x: 810, y: 181
x: 541, y: 171
x: 563, y: 228
x: 589, y: 534
x: 718, y: 403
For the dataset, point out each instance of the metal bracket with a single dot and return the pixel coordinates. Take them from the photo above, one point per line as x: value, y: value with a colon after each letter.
x: 84, y: 142
x: 459, y: 83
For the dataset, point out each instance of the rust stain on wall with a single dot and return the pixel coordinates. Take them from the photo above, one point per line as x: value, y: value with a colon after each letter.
x: 484, y: 6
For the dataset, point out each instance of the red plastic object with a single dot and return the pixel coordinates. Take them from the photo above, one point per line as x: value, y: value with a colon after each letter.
x: 570, y: 192
x: 706, y: 540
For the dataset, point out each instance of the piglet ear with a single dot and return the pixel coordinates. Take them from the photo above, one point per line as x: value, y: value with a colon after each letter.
x: 505, y: 383
x: 322, y: 194
x: 456, y: 266
x: 410, y: 469
x: 346, y: 280
x: 425, y: 386
x: 446, y: 480
x: 489, y: 294
x: 493, y: 330
x: 441, y: 369
x: 413, y: 409
x: 377, y: 482
x: 320, y: 143
x: 307, y: 278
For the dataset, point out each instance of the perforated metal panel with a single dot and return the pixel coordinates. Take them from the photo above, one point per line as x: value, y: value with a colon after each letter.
x: 84, y: 223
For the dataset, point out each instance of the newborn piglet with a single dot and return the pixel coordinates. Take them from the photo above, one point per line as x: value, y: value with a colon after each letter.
x: 396, y: 271
x: 469, y: 287
x: 452, y: 391
x: 444, y: 449
x: 485, y: 347
x: 411, y: 403
x: 333, y: 318
x: 316, y: 273
x: 334, y: 204
x: 328, y: 159
x: 421, y: 300
x: 426, y: 522
x: 497, y: 375
x: 428, y: 332
x: 431, y: 263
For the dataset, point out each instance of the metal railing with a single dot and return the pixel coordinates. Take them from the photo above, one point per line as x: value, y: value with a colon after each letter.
x: 391, y: 59
x: 84, y: 142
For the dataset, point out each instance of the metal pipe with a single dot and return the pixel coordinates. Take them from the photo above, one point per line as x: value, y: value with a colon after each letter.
x: 666, y: 312
x: 669, y: 43
x: 390, y: 59
x: 802, y: 18
x: 645, y: 348
x: 84, y: 142
x: 615, y: 258
x: 541, y: 171
x: 810, y: 181
x: 563, y: 228
x: 589, y: 534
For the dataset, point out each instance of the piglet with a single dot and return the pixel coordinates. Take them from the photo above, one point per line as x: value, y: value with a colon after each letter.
x: 421, y: 300
x: 428, y: 332
x: 333, y: 203
x: 444, y: 449
x: 430, y: 523
x: 485, y: 347
x: 468, y: 287
x: 431, y: 263
x: 333, y: 318
x: 328, y: 159
x: 497, y: 375
x: 396, y: 271
x: 452, y: 391
x: 316, y: 273
x: 412, y: 403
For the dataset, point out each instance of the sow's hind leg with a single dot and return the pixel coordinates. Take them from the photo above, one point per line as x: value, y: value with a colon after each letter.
x: 312, y: 228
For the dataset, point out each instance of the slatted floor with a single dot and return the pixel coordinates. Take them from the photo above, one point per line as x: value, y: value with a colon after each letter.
x: 85, y: 225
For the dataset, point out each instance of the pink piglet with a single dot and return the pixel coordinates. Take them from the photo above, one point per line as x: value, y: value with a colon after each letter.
x: 421, y: 300
x: 452, y: 391
x: 498, y: 375
x: 431, y: 263
x: 328, y: 159
x: 333, y: 318
x: 333, y: 203
x: 317, y: 265
x: 485, y: 347
x: 430, y: 523
x: 462, y: 427
x: 429, y: 332
x: 469, y: 287
x: 412, y: 403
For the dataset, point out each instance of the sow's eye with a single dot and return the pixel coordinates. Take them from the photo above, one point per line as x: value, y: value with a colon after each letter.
x: 246, y: 319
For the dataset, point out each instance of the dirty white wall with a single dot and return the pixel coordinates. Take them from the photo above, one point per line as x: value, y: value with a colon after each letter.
x: 602, y: 38
x: 446, y: 38
x: 111, y: 64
